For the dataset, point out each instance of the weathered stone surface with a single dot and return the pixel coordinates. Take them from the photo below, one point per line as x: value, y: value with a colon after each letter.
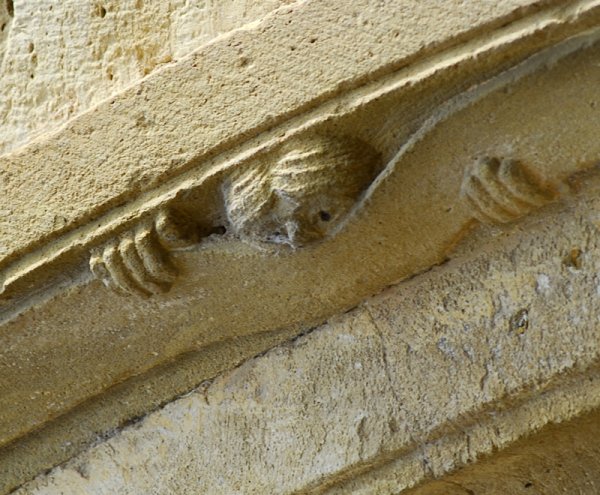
x: 223, y: 95
x: 62, y: 58
x: 562, y: 458
x: 230, y: 288
x: 427, y: 376
x: 281, y: 174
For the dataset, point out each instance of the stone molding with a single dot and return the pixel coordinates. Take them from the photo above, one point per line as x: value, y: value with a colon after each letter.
x: 424, y: 378
x: 299, y: 199
x: 25, y: 268
x: 211, y: 219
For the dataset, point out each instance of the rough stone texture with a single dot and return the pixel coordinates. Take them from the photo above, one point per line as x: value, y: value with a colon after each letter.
x: 560, y: 459
x: 229, y: 288
x: 447, y: 101
x: 427, y: 376
x: 60, y: 58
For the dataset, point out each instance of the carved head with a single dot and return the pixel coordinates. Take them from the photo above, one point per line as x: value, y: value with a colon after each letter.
x: 305, y: 194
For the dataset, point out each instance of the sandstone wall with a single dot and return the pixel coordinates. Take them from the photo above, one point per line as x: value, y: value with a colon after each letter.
x: 59, y: 59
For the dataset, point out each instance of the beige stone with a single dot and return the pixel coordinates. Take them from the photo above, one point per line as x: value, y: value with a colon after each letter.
x: 62, y: 58
x: 413, y: 383
x: 561, y: 459
x: 133, y: 143
x: 171, y: 208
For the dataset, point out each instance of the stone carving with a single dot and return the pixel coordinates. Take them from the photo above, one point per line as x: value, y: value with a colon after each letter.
x: 502, y: 190
x: 308, y: 191
x: 300, y: 198
x: 379, y: 109
x: 138, y: 262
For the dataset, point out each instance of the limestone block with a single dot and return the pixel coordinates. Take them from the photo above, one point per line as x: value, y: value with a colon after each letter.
x: 145, y: 136
x: 60, y: 58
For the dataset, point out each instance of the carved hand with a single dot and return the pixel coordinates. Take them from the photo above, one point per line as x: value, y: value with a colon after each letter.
x: 138, y: 262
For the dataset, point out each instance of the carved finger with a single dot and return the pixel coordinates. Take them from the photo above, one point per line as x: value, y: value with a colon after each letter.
x: 484, y: 206
x: 486, y: 171
x: 119, y: 273
x: 153, y: 258
x: 524, y: 184
x: 136, y: 268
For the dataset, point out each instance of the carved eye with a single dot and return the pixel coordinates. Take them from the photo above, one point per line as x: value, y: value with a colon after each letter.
x: 325, y: 216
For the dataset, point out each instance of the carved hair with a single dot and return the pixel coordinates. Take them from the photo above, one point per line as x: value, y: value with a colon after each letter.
x: 264, y: 202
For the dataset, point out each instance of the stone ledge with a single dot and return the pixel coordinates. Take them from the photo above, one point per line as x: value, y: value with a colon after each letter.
x: 101, y: 133
x: 134, y: 142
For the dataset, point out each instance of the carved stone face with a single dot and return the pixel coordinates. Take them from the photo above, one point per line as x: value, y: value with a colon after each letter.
x: 300, y: 222
x: 304, y: 195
